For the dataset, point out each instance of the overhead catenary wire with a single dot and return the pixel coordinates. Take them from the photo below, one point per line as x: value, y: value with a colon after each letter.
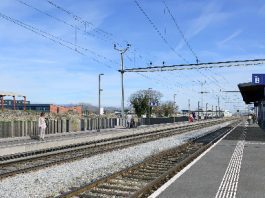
x: 181, y: 32
x: 75, y: 46
x: 95, y: 32
x: 36, y: 31
x: 158, y: 79
x: 82, y: 21
x: 85, y: 32
x: 236, y: 63
x: 78, y: 18
x: 56, y: 39
x: 107, y: 38
x: 214, y: 80
x: 158, y: 31
x: 165, y: 40
x: 106, y: 35
x: 166, y: 84
x: 76, y: 28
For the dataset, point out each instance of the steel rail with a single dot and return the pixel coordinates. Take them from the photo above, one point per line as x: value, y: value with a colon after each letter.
x: 75, y: 147
x: 147, y: 171
x: 71, y: 155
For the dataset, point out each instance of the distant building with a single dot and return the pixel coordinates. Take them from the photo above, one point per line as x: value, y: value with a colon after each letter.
x: 9, y: 104
x: 26, y: 105
x: 62, y: 109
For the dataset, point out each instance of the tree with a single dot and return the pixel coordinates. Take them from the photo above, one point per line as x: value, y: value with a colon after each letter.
x: 158, y: 111
x: 168, y: 108
x: 141, y: 100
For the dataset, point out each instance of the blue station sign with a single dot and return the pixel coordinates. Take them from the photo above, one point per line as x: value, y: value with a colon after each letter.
x: 258, y: 79
x: 153, y: 104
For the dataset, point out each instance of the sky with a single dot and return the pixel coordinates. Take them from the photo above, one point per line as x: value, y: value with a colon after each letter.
x: 52, y: 56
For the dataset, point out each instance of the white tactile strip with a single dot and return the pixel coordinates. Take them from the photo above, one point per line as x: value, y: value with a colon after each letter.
x: 228, y: 187
x: 179, y: 174
x: 257, y: 143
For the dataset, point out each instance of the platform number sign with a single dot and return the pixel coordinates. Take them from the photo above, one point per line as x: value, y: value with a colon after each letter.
x: 258, y: 79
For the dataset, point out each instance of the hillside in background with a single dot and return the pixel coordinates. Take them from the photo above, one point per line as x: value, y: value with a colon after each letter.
x: 92, y: 108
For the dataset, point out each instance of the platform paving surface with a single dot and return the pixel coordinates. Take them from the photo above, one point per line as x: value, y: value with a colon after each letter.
x: 235, y: 167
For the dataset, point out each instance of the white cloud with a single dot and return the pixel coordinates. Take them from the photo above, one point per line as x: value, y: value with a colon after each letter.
x: 210, y: 15
x: 229, y: 38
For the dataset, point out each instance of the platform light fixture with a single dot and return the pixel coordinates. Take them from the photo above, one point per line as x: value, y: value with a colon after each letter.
x: 99, y: 101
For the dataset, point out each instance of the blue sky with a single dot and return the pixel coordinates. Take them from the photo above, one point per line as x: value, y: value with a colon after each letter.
x: 48, y: 72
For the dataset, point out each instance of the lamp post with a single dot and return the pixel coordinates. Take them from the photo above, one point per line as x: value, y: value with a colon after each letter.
x: 206, y: 110
x: 212, y: 111
x: 99, y: 91
x: 202, y: 83
x: 149, y: 115
x: 198, y: 110
x: 189, y: 105
x: 218, y: 106
x: 174, y: 107
x: 216, y: 111
x: 122, y: 51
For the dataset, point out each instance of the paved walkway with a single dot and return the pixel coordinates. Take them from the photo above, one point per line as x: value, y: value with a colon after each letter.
x: 234, y: 167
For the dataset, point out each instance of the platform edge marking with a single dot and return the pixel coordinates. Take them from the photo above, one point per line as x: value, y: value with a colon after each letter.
x: 231, y: 176
x: 173, y: 179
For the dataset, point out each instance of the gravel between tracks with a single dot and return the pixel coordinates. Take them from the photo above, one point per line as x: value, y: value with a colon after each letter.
x: 51, y: 180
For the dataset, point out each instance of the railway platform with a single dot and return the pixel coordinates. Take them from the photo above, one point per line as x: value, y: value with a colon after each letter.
x: 232, y: 167
x: 10, y: 146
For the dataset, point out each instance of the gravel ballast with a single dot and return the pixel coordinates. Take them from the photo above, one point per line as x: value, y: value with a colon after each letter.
x: 51, y: 180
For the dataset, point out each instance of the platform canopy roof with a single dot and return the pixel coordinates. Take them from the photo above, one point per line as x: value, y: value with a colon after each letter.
x: 5, y: 93
x: 252, y: 93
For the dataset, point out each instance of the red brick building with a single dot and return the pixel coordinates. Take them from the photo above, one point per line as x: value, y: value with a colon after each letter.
x: 62, y: 109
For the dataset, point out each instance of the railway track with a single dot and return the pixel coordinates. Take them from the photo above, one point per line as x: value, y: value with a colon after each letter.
x: 24, y: 162
x: 144, y: 178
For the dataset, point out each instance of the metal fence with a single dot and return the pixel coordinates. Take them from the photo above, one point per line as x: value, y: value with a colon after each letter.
x: 30, y: 128
x: 150, y: 121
